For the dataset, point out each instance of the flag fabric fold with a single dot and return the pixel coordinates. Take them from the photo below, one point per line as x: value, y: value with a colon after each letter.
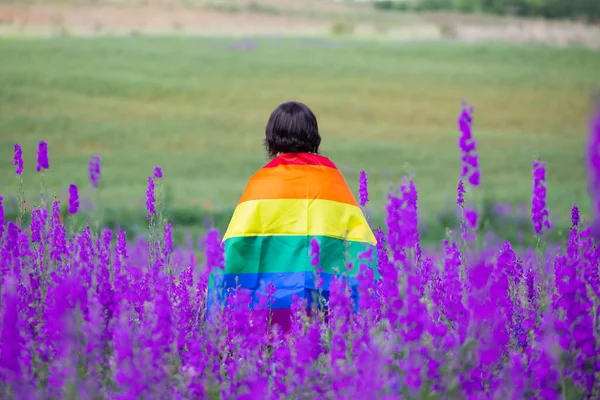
x: 292, y: 200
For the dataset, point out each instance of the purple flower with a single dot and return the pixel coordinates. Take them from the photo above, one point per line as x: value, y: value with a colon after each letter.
x: 11, y: 338
x: 593, y: 166
x: 390, y: 287
x: 363, y: 189
x: 94, y: 170
x: 315, y: 261
x: 157, y: 172
x: 468, y: 147
x: 11, y: 245
x: 271, y: 290
x: 575, y: 324
x: 471, y: 218
x: 168, y: 247
x: 150, y: 200
x: 2, y: 220
x: 340, y: 306
x: 315, y: 252
x: 539, y: 211
x: 214, y: 250
x: 460, y: 192
x: 185, y: 311
x: 18, y: 159
x: 92, y: 329
x: 127, y: 371
x: 38, y: 225
x: 508, y: 262
x: 58, y: 234
x: 452, y: 305
x: 73, y: 199
x: 120, y: 250
x: 414, y: 320
x: 402, y: 221
x: 575, y: 215
x: 42, y: 156
x: 367, y: 300
x: 104, y: 289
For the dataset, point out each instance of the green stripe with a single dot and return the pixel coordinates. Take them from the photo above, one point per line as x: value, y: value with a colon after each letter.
x: 271, y: 254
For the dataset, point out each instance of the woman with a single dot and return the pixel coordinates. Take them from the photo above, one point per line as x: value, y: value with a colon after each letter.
x: 297, y: 197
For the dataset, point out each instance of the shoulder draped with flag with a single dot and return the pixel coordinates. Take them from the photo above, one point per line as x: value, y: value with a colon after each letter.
x: 289, y: 202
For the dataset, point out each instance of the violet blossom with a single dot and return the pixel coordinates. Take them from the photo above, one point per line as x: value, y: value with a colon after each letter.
x: 42, y: 157
x: 73, y: 199
x: 18, y: 159
x: 315, y: 262
x: 468, y: 147
x: 150, y: 200
x: 539, y: 210
x: 460, y: 192
x: 593, y: 167
x: 95, y: 171
x: 363, y: 189
x: 2, y: 220
x: 575, y: 215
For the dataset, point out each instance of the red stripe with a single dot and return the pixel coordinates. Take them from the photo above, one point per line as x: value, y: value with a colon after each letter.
x: 300, y: 159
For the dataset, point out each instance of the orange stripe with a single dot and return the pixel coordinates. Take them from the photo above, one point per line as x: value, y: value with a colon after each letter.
x: 298, y: 182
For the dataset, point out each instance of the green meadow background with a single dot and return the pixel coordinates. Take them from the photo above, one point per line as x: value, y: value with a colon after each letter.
x: 197, y: 107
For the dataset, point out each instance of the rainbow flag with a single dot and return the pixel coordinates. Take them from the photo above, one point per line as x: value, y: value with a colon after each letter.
x: 287, y: 203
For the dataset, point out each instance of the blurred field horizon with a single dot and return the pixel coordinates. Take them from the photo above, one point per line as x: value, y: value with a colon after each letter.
x: 479, y: 21
x: 197, y: 105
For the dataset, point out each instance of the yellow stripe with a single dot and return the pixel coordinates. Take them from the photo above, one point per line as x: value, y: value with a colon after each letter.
x: 300, y: 217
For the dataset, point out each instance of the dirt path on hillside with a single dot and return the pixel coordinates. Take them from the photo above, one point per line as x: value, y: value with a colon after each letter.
x: 152, y: 19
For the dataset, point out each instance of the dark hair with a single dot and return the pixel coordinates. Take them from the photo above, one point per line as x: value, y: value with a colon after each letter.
x: 292, y: 128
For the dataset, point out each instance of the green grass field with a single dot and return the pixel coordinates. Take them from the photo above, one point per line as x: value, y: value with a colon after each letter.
x: 198, y: 107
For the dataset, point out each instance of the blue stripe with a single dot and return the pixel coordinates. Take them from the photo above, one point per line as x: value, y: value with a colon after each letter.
x: 287, y: 284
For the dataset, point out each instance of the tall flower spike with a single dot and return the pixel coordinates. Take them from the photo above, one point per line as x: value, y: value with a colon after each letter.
x: 94, y: 170
x: 575, y: 215
x: 58, y: 234
x: 363, y: 189
x: 38, y: 226
x: 10, y: 332
x: 315, y: 252
x: 468, y: 147
x: 593, y: 167
x: 403, y: 222
x: 42, y: 156
x: 168, y: 245
x: 120, y: 251
x: 460, y: 193
x: 539, y: 211
x: 214, y: 250
x: 157, y: 172
x: 150, y: 200
x: 471, y: 218
x: 2, y: 221
x: 315, y: 261
x: 73, y: 199
x: 18, y: 159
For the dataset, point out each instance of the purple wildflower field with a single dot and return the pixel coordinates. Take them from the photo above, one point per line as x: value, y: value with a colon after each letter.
x: 93, y: 316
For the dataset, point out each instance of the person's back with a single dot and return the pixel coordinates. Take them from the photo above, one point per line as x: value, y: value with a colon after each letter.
x: 297, y: 197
